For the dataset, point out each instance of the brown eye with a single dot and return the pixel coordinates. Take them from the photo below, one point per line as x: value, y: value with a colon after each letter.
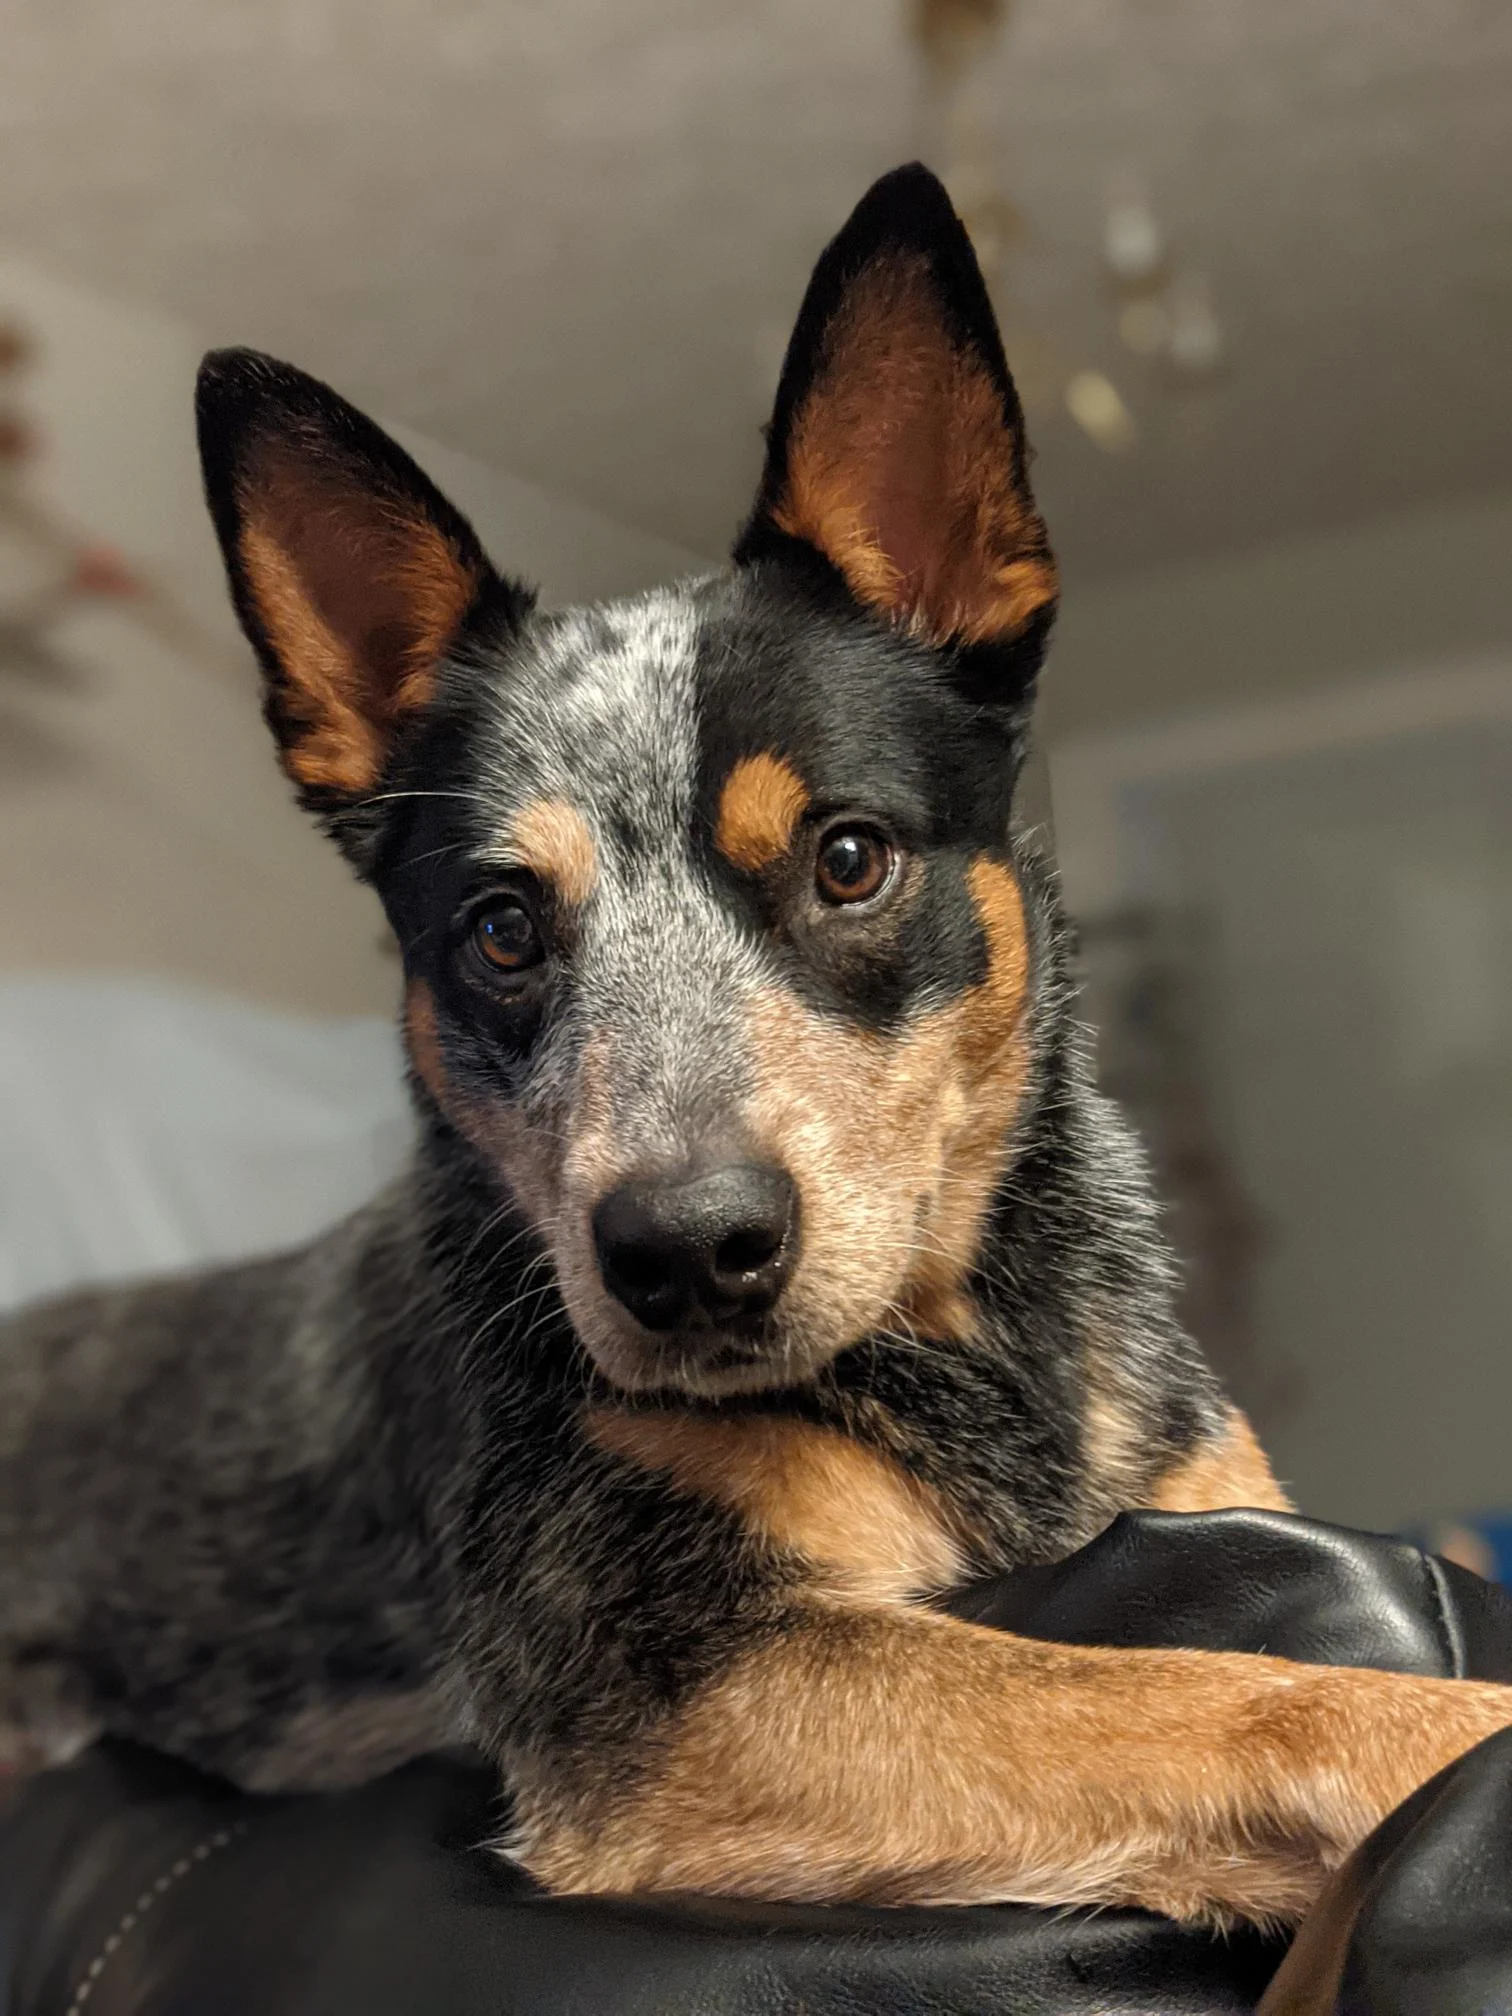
x: 855, y: 863
x: 505, y: 936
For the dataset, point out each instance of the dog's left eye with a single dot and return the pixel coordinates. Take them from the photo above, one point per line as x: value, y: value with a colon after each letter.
x: 505, y: 936
x: 854, y: 864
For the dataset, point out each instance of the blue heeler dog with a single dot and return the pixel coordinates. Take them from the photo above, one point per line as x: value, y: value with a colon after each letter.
x: 767, y: 1266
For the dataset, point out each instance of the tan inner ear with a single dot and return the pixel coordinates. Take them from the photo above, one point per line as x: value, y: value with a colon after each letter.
x: 359, y: 594
x: 902, y: 471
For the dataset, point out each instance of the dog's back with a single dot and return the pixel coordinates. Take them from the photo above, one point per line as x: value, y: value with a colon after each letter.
x: 205, y: 1538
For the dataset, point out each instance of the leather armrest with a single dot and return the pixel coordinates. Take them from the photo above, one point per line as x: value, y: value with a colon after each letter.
x: 1259, y: 1582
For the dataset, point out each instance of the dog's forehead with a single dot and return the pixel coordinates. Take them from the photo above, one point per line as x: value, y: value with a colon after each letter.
x: 600, y: 714
x: 636, y: 715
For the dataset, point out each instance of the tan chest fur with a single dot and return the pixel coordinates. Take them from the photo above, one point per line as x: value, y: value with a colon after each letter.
x: 866, y: 1526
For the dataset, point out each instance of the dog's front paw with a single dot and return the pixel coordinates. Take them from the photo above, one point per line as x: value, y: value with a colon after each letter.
x: 1359, y: 1743
x: 1312, y: 1765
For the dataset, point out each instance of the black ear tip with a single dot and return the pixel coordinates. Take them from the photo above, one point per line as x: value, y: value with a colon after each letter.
x: 232, y: 361
x: 233, y: 384
x: 230, y: 383
x: 908, y: 202
x: 239, y: 396
x: 224, y: 373
x: 910, y: 183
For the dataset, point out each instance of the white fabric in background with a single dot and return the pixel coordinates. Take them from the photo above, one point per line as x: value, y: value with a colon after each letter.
x: 146, y: 1129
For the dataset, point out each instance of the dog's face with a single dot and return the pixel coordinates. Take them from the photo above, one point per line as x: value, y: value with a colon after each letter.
x: 714, y: 949
x: 714, y: 953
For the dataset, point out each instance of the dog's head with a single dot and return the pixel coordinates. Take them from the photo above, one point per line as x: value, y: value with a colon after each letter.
x: 714, y: 949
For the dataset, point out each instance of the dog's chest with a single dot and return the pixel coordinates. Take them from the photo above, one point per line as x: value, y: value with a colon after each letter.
x: 857, y: 1519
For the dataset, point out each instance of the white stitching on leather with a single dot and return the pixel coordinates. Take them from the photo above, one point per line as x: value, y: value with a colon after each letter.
x: 212, y: 1845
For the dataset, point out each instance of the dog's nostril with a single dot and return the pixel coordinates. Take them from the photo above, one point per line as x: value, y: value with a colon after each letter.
x: 720, y: 1244
x: 641, y: 1270
x: 746, y: 1251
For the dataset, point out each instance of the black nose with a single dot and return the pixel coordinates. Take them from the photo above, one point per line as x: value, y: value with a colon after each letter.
x: 719, y: 1246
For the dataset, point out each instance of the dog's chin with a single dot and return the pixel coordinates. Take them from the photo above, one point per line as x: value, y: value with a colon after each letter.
x: 704, y: 1364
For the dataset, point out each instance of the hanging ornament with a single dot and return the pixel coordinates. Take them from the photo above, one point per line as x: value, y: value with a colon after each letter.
x: 1134, y: 247
x: 1097, y: 406
x: 1194, y: 344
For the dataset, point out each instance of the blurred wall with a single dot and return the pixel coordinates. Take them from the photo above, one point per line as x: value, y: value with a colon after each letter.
x: 1309, y: 750
x: 1397, y: 593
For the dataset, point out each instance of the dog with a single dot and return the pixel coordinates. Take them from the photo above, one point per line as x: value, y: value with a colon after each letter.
x: 768, y: 1264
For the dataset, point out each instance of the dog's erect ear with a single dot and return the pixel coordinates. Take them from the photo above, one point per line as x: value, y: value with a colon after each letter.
x: 896, y: 448
x: 349, y: 570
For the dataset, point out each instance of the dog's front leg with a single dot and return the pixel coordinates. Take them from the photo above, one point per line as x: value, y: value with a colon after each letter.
x: 898, y: 1756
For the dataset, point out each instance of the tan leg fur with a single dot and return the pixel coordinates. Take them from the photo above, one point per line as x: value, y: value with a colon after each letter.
x: 895, y: 1755
x: 882, y: 1752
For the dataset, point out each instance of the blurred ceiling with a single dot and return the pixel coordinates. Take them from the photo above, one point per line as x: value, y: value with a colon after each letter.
x: 568, y: 236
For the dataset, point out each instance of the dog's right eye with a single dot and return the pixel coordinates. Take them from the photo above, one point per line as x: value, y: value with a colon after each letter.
x: 505, y: 937
x: 855, y: 864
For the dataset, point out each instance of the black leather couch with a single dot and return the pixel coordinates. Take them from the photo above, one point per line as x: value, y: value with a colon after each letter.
x: 130, y: 1886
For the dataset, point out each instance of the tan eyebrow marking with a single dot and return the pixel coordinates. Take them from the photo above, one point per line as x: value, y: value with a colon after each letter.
x: 759, y: 808
x: 552, y: 840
